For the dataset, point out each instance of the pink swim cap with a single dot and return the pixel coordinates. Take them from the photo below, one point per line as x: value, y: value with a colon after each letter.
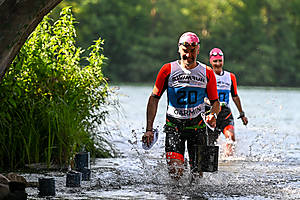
x: 216, y: 53
x: 189, y: 37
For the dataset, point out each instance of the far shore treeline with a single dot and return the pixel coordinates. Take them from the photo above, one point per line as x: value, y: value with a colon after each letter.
x: 260, y: 38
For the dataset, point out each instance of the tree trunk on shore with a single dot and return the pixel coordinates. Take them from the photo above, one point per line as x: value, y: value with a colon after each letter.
x: 18, y: 18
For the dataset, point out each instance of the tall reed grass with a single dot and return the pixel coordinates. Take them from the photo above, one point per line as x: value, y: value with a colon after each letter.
x: 48, y: 99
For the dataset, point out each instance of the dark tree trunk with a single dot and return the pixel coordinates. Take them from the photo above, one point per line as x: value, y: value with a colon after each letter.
x: 18, y: 18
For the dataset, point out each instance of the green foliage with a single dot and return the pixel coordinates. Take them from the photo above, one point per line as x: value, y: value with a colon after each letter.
x: 259, y: 42
x: 48, y: 100
x: 259, y: 37
x: 137, y: 39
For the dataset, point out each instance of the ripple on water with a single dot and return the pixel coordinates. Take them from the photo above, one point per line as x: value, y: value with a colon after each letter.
x: 266, y: 164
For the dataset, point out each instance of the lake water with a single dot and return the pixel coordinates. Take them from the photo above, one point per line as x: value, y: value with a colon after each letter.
x: 266, y: 163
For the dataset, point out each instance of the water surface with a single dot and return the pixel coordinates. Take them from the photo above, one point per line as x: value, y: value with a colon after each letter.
x: 266, y: 164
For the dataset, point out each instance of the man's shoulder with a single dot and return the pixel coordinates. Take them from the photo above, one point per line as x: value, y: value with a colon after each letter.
x: 203, y: 65
x: 229, y: 72
x: 165, y: 69
x: 165, y: 65
x: 168, y: 64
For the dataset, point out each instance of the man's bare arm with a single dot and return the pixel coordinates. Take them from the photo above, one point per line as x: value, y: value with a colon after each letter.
x: 216, y: 107
x: 151, y: 113
x: 211, y: 118
x: 238, y: 104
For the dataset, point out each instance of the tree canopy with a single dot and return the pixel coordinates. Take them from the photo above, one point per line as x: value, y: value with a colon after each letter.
x: 259, y: 37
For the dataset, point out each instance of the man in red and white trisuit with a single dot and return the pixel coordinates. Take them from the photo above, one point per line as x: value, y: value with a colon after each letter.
x: 226, y: 84
x: 187, y: 83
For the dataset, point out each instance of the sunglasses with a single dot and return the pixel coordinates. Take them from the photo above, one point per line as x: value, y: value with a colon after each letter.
x: 216, y: 53
x: 215, y: 61
x: 187, y: 44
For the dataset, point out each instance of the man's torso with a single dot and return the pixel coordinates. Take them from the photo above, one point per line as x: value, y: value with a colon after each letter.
x: 224, y: 87
x: 186, y: 91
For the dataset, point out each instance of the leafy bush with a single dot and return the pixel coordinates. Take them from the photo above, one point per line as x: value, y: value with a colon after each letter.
x: 48, y: 99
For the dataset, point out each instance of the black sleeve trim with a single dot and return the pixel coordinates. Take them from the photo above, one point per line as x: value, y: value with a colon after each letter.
x: 155, y: 96
x: 213, y: 101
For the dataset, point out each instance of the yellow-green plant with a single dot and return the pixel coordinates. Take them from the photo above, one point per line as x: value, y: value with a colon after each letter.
x: 48, y: 98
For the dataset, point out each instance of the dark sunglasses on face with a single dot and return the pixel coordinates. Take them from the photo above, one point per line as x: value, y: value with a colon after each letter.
x: 187, y: 44
x: 215, y: 61
x: 216, y: 53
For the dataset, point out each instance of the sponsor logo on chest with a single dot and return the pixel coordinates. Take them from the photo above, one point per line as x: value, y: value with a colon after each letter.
x: 186, y: 78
